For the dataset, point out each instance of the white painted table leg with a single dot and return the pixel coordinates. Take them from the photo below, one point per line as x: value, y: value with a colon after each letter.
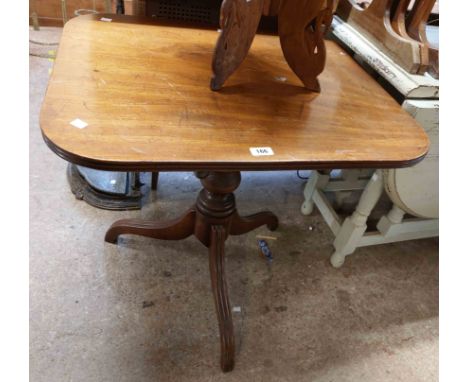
x: 308, y: 205
x: 354, y: 227
x: 316, y: 180
x: 396, y: 214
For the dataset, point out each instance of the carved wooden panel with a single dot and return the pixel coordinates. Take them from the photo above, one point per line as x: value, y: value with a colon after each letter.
x: 301, y: 28
x: 375, y: 24
x: 239, y: 21
x: 301, y: 25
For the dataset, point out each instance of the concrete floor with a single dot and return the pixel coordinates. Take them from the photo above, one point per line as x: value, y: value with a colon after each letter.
x: 143, y: 310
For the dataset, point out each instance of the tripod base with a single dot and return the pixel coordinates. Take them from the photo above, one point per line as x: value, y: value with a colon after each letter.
x: 213, y: 218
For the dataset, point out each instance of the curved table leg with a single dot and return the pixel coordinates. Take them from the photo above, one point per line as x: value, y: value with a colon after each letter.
x: 176, y: 229
x: 241, y: 225
x: 211, y: 220
x: 223, y: 308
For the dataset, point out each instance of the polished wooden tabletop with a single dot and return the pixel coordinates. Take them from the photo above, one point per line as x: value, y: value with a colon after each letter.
x: 143, y: 90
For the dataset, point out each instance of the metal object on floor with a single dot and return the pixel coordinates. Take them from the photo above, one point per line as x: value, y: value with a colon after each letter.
x: 108, y: 190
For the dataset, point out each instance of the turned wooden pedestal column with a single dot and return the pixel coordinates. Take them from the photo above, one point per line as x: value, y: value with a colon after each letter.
x: 213, y: 218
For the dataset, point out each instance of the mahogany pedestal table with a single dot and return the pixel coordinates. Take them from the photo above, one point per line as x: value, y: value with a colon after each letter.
x: 143, y: 91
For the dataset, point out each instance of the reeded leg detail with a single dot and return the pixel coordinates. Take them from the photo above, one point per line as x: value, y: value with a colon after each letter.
x: 176, y: 229
x: 241, y: 225
x: 220, y: 293
x: 211, y: 221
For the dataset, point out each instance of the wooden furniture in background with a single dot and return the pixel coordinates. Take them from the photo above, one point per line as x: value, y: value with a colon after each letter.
x: 301, y: 28
x: 398, y: 29
x: 416, y: 25
x: 412, y: 24
x: 398, y: 11
x: 417, y: 18
x: 57, y: 12
x: 375, y: 24
x: 161, y: 116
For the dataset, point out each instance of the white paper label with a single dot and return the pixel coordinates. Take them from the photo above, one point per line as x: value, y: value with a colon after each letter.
x: 261, y: 151
x: 281, y: 79
x: 78, y: 123
x: 106, y: 19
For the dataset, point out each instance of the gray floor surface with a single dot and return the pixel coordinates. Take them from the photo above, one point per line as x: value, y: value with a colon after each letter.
x: 143, y: 310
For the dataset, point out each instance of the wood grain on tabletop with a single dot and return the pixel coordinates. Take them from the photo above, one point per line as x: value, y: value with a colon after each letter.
x: 144, y: 92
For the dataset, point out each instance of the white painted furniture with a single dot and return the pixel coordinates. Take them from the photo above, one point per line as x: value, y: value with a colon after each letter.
x: 413, y: 191
x: 351, y: 232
